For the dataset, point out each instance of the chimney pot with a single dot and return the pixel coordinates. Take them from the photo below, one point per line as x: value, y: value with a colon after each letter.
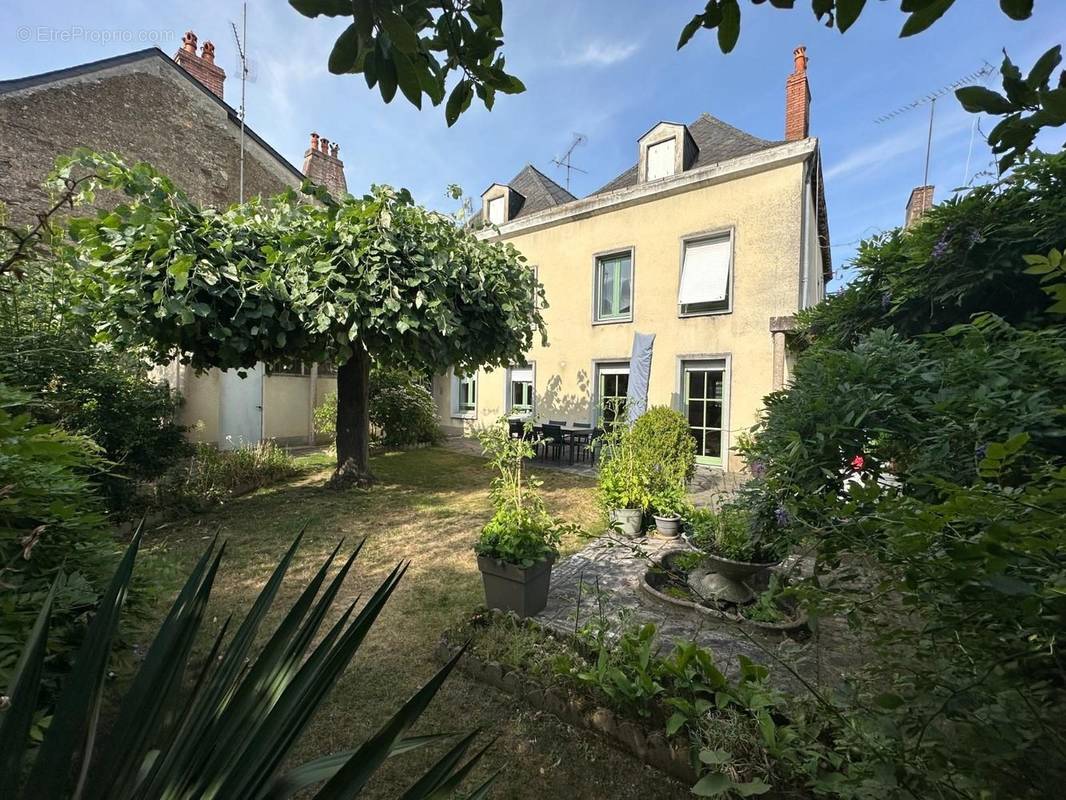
x: 322, y: 165
x: 201, y: 66
x: 800, y: 55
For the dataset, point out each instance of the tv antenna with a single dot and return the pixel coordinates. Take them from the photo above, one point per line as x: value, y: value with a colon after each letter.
x: 930, y: 99
x: 563, y: 161
x: 241, y: 40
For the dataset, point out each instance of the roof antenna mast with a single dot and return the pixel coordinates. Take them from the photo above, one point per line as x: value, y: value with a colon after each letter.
x: 931, y: 98
x: 563, y: 161
x: 242, y: 61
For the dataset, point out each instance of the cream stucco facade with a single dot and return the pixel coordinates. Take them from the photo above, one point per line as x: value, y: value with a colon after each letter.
x: 764, y: 202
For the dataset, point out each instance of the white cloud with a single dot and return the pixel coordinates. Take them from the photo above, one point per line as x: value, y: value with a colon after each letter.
x: 603, y: 53
x: 884, y: 152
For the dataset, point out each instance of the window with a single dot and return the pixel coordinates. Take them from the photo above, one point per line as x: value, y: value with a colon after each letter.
x: 661, y: 159
x: 705, y: 275
x: 703, y: 394
x: 464, y: 395
x: 496, y: 211
x: 290, y: 367
x: 520, y: 390
x: 612, y: 387
x: 614, y: 288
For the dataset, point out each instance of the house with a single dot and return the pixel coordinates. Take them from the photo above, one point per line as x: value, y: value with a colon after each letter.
x: 171, y: 112
x: 711, y: 241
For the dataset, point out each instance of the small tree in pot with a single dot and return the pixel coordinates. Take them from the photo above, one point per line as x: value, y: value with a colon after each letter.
x: 519, y: 544
x: 624, y: 481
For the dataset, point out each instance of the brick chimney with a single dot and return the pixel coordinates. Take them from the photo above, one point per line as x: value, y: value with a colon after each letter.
x: 322, y: 165
x: 798, y: 99
x: 202, y: 66
x: 921, y: 201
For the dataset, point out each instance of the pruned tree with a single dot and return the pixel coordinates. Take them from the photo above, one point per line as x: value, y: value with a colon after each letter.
x: 369, y: 278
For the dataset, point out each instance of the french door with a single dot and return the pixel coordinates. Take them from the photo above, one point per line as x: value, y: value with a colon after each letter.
x: 703, y: 393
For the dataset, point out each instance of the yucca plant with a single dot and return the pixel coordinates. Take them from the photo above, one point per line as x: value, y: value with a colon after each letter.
x: 223, y: 728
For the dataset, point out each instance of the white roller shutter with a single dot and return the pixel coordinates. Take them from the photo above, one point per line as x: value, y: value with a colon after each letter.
x: 705, y: 272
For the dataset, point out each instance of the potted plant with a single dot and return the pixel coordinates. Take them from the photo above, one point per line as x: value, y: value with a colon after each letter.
x: 732, y: 555
x: 668, y: 507
x: 518, y: 546
x: 624, y: 481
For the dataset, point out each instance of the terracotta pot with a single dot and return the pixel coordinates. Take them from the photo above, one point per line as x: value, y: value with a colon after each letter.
x: 510, y: 587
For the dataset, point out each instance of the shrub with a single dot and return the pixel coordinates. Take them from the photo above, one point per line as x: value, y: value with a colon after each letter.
x: 663, y: 444
x: 210, y: 476
x: 48, y: 351
x: 964, y: 258
x: 402, y: 411
x: 223, y: 728
x: 52, y: 527
x: 624, y: 479
x: 647, y: 464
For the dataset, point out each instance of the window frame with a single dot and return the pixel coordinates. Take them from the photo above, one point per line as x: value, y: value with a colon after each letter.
x: 711, y: 361
x: 684, y: 241
x: 456, y: 382
x: 507, y: 386
x: 597, y: 260
x: 601, y: 367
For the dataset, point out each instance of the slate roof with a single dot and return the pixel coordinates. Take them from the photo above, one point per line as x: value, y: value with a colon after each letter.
x: 716, y: 140
x: 45, y: 78
x: 538, y: 192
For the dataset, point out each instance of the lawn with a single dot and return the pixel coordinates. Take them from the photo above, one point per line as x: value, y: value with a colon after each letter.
x: 427, y: 507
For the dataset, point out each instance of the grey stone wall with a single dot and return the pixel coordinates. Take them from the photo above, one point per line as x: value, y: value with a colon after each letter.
x: 144, y: 111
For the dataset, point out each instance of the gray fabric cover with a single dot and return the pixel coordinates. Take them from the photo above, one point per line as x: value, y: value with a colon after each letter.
x: 639, y: 375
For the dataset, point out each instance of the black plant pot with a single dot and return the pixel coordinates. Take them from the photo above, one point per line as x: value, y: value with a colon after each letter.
x: 511, y: 588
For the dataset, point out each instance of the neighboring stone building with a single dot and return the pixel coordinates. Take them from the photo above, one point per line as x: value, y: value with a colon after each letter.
x: 712, y: 241
x: 171, y: 113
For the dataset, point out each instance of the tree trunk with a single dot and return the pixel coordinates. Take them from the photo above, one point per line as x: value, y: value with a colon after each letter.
x: 353, y: 421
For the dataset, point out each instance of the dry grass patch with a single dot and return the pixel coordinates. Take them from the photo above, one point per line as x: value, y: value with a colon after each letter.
x: 428, y: 507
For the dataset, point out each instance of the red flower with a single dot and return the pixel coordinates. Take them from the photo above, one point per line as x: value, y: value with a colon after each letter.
x: 858, y: 463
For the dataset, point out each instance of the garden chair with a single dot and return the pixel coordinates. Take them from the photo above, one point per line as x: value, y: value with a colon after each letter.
x: 553, y: 439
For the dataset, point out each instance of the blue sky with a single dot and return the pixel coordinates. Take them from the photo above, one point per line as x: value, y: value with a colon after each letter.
x: 607, y: 69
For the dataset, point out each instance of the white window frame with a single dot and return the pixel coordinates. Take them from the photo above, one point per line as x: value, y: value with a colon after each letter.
x: 707, y: 309
x: 457, y: 381
x: 619, y: 366
x: 508, y: 386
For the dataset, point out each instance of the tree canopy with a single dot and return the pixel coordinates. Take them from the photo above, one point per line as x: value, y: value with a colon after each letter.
x: 373, y: 277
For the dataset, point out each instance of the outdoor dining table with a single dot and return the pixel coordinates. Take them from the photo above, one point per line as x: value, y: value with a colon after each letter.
x: 573, y: 437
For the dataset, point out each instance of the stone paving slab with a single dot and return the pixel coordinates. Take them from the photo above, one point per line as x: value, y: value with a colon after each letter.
x: 605, y: 578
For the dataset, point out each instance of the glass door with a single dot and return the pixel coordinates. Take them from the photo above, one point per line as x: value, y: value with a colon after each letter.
x: 612, y: 389
x: 704, y: 393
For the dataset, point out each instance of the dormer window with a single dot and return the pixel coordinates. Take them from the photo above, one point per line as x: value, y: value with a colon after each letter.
x: 667, y: 149
x: 497, y: 213
x: 661, y: 159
